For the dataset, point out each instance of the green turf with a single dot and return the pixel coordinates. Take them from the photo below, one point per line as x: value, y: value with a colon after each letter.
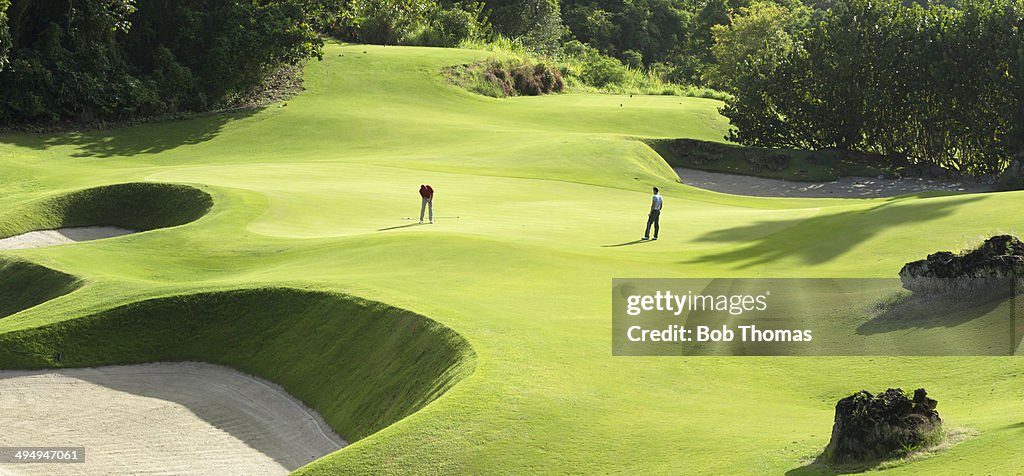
x: 311, y: 196
x: 24, y: 285
x: 136, y: 206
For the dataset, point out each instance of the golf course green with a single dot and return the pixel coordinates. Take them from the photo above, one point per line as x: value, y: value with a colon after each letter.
x: 284, y: 242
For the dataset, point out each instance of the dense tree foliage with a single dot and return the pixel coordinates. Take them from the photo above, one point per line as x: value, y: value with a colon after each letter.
x: 452, y: 25
x: 762, y: 32
x: 389, y: 21
x: 405, y: 22
x: 108, y: 59
x: 5, y: 36
x: 937, y: 84
x: 537, y: 22
x: 673, y: 36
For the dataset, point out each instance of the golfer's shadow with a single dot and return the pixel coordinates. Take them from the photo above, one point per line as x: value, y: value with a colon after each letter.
x: 634, y: 242
x: 400, y: 226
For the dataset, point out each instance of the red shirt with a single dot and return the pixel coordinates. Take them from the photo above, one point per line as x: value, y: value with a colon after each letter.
x: 426, y: 192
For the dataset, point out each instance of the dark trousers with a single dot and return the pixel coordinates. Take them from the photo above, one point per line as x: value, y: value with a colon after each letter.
x: 652, y: 219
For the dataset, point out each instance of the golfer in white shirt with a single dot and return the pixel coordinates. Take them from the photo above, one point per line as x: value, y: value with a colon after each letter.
x: 652, y: 218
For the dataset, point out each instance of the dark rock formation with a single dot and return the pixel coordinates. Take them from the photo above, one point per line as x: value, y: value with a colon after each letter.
x: 996, y: 263
x: 760, y: 160
x: 872, y: 427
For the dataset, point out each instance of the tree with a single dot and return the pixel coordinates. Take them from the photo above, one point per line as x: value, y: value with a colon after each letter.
x: 932, y: 84
x: 657, y: 30
x: 105, y: 59
x: 713, y: 13
x: 761, y: 32
x: 64, y: 60
x: 450, y: 26
x: 5, y: 34
x: 389, y: 22
x: 537, y: 22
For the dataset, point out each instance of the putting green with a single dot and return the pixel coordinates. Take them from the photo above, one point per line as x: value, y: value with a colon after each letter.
x: 309, y: 200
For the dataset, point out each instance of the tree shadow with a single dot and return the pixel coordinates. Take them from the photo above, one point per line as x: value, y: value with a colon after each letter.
x: 934, y: 311
x: 628, y: 243
x: 835, y: 233
x: 819, y: 468
x: 148, y: 138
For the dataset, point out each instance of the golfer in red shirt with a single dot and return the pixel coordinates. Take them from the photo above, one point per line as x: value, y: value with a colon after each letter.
x: 428, y: 201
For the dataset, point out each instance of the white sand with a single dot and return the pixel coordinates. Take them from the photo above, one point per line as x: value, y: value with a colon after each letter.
x: 38, y: 239
x: 845, y: 187
x: 161, y: 418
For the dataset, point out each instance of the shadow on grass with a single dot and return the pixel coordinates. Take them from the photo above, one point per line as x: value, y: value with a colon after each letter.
x: 818, y: 468
x: 24, y: 285
x: 148, y: 138
x: 1015, y: 426
x: 930, y: 312
x: 820, y: 238
x: 634, y: 242
x: 401, y: 226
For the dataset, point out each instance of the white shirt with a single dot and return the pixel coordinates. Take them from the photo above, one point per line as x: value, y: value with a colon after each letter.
x: 657, y: 202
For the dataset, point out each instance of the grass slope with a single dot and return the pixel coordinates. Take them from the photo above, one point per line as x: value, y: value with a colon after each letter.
x: 363, y: 366
x: 136, y: 206
x: 789, y: 164
x: 312, y: 195
x: 24, y: 285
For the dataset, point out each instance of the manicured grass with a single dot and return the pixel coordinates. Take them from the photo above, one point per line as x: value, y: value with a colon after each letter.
x: 24, y: 285
x: 311, y: 196
x: 135, y: 206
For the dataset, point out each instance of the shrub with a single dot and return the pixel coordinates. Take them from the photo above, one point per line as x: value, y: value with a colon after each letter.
x: 573, y: 62
x: 389, y: 22
x: 633, y: 58
x: 602, y: 71
x: 450, y: 27
x: 497, y: 78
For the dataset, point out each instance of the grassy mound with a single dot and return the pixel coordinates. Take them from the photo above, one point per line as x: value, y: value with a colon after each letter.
x: 24, y: 285
x: 788, y: 164
x: 362, y: 365
x: 136, y: 206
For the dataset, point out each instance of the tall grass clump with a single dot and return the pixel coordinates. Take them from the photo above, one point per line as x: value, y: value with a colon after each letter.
x: 581, y: 68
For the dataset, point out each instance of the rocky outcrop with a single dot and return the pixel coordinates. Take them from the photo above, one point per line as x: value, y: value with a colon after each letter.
x: 998, y: 262
x: 759, y: 160
x: 872, y: 427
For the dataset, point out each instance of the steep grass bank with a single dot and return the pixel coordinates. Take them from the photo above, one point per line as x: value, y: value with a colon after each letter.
x: 362, y: 365
x: 24, y: 285
x: 135, y: 206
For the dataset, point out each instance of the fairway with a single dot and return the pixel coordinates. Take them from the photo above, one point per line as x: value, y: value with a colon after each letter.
x: 479, y: 344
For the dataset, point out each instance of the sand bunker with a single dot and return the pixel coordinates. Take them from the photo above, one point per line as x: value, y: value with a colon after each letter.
x: 161, y: 418
x: 39, y: 239
x: 845, y: 187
